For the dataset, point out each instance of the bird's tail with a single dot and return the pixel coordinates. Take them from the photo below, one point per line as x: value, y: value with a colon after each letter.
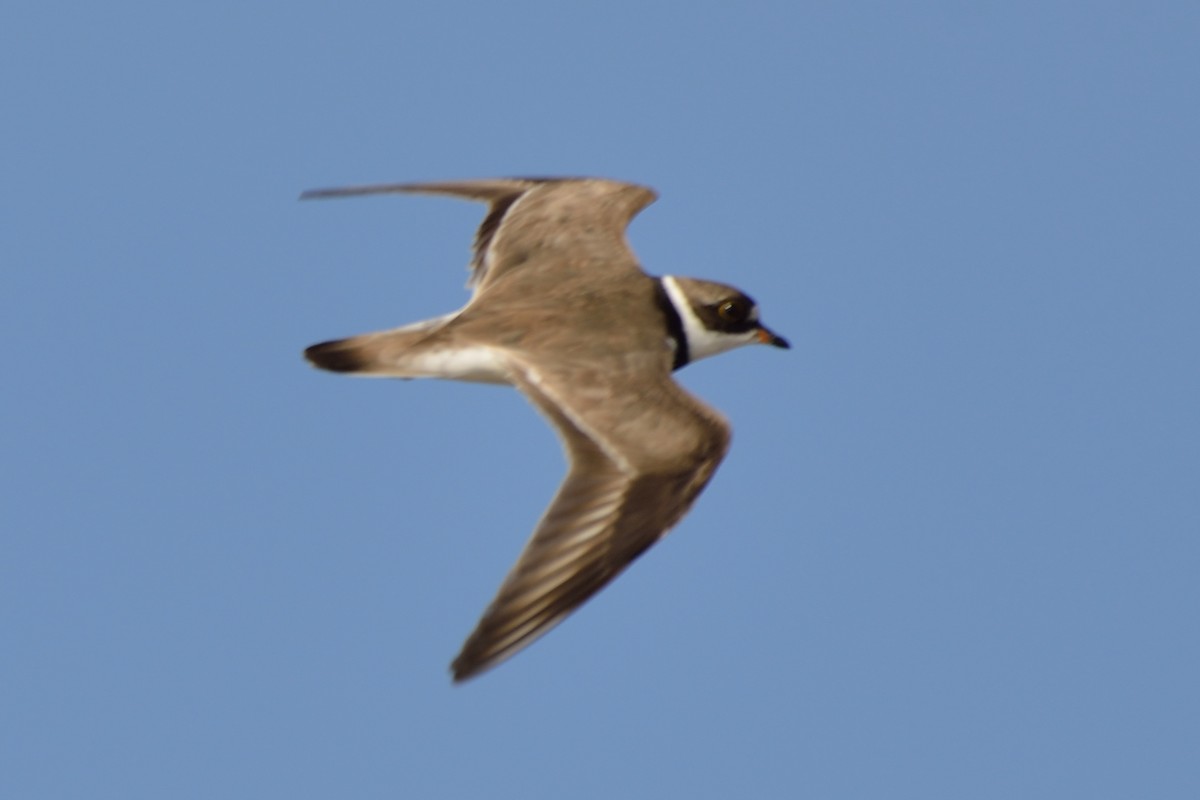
x: 355, y: 354
x: 414, y: 351
x: 386, y: 353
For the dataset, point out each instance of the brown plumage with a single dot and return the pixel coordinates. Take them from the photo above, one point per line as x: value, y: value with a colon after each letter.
x: 562, y: 311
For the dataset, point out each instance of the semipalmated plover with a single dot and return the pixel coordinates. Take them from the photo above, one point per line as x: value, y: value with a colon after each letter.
x: 562, y: 310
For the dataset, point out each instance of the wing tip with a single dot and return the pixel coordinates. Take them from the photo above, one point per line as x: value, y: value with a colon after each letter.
x: 483, y: 189
x: 467, y: 665
x: 355, y: 191
x: 460, y: 673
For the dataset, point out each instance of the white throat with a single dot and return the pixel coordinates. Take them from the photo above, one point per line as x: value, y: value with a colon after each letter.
x: 702, y: 341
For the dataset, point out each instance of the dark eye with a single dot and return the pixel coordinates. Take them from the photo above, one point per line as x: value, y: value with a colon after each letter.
x: 733, y: 310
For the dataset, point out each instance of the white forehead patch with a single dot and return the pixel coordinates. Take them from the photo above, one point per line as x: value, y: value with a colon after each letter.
x: 702, y: 341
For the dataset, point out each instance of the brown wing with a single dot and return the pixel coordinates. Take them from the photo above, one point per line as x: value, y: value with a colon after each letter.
x: 525, y: 214
x: 638, y: 460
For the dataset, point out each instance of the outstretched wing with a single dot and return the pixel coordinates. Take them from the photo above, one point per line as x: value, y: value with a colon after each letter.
x: 528, y: 214
x: 637, y: 463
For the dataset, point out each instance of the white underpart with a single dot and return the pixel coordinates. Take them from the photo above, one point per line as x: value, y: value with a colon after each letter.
x: 702, y: 341
x: 478, y: 364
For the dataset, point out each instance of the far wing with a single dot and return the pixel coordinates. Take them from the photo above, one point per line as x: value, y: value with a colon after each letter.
x: 528, y: 214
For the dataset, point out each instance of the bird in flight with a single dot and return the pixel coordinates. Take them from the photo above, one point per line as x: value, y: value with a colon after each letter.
x: 562, y: 311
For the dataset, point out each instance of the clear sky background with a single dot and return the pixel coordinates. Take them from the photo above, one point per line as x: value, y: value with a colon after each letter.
x: 952, y: 554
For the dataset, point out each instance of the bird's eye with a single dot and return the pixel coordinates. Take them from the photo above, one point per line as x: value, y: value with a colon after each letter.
x: 733, y: 310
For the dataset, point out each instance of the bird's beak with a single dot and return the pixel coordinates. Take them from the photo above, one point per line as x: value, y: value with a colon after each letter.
x: 766, y: 337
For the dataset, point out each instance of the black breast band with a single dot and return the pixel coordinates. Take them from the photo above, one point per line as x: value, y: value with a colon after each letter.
x: 674, y: 325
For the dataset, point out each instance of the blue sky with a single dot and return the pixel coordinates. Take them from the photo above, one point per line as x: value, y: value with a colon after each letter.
x: 952, y: 553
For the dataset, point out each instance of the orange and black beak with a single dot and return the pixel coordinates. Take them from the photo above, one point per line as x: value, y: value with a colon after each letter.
x: 767, y: 337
